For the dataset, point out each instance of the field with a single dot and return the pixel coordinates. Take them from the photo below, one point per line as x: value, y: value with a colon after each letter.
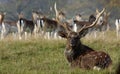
x: 40, y: 56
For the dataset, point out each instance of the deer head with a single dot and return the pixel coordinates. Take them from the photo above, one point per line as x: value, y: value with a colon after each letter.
x: 78, y: 17
x: 92, y: 18
x: 37, y: 14
x: 20, y: 15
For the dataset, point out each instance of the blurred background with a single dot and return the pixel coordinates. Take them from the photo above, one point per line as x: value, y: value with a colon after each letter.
x: 70, y: 7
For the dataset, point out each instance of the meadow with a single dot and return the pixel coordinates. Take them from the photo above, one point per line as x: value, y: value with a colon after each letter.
x: 42, y: 56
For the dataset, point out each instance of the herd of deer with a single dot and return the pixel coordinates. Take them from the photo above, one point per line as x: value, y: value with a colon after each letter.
x: 77, y: 54
x: 40, y: 24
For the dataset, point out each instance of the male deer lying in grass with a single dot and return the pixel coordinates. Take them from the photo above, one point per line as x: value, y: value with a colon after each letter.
x: 79, y: 55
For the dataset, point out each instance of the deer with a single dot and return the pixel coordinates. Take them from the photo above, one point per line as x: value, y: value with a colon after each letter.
x: 36, y: 15
x: 7, y: 26
x: 103, y: 24
x: 79, y: 23
x: 48, y: 26
x: 23, y: 25
x: 80, y: 55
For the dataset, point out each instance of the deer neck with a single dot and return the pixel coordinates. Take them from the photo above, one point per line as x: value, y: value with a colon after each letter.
x: 73, y: 52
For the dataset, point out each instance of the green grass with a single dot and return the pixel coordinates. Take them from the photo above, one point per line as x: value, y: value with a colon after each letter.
x: 39, y: 56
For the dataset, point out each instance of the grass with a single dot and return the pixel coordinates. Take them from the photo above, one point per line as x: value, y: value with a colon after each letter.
x: 40, y: 56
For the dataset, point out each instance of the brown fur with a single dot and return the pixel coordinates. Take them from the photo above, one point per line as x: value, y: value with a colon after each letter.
x: 27, y: 24
x: 80, y: 55
x: 50, y: 23
x: 11, y: 23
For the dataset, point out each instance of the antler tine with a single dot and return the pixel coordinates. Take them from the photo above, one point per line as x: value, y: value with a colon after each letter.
x: 56, y: 11
x: 64, y: 25
x: 81, y: 28
x: 94, y: 23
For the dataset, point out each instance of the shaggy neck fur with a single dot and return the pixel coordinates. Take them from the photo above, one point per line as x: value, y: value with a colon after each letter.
x: 72, y: 53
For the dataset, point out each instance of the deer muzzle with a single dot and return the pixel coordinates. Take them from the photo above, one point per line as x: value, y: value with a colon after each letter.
x: 72, y: 42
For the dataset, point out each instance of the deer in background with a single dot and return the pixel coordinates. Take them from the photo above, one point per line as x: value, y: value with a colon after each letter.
x: 7, y: 26
x: 45, y: 26
x: 103, y: 24
x: 80, y: 55
x: 24, y: 25
x: 78, y: 17
x: 48, y: 26
x: 79, y: 23
x: 36, y: 15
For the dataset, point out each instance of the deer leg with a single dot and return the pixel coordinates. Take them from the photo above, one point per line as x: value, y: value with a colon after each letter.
x: 95, y: 32
x: 19, y: 30
x: 25, y: 35
x: 55, y: 35
x: 3, y: 31
x: 35, y: 30
x: 117, y: 33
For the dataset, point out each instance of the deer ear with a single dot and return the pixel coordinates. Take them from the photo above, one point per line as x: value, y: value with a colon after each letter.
x: 62, y: 34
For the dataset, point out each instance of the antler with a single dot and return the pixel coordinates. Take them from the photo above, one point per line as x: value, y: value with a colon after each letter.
x: 94, y: 23
x: 97, y: 11
x: 65, y: 24
x: 56, y: 11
